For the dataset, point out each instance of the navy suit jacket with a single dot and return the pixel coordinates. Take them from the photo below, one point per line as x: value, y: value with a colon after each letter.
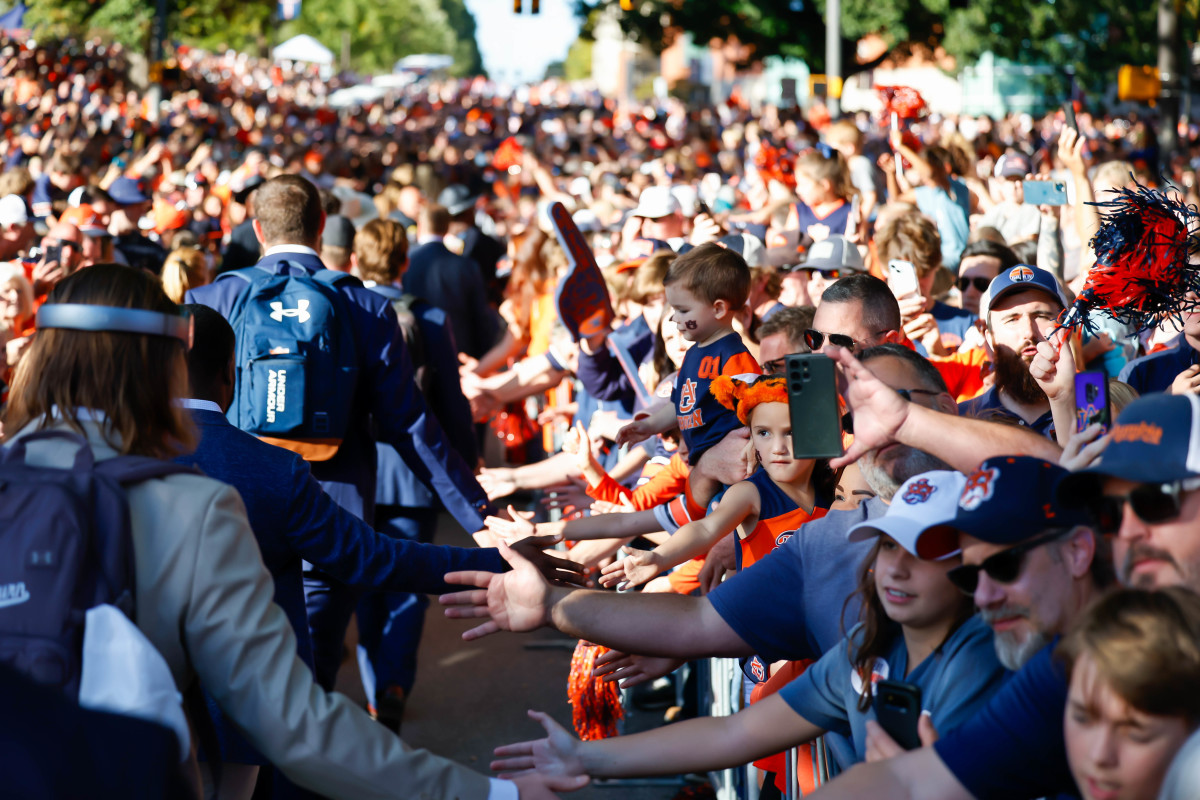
x: 454, y: 284
x: 294, y: 520
x: 396, y: 484
x: 386, y: 400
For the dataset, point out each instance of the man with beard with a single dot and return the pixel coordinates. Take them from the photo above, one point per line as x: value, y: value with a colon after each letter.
x: 790, y: 605
x: 1020, y: 309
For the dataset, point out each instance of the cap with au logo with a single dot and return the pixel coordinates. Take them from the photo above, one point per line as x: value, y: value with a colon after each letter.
x: 1021, y: 278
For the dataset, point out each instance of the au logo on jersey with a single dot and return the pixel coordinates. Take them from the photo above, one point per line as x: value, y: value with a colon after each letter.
x: 783, y: 537
x: 687, y: 396
x: 979, y: 489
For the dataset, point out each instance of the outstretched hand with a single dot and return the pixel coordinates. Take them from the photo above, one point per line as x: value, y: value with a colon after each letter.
x: 556, y: 758
x: 514, y: 601
x: 879, y: 412
x: 632, y: 670
x: 558, y: 570
x: 640, y: 566
x: 518, y: 526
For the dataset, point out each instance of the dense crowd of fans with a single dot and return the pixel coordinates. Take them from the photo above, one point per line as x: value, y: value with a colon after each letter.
x: 1023, y: 573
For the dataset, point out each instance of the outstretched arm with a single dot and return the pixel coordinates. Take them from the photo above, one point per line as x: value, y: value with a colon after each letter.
x: 697, y: 745
x: 665, y: 624
x: 881, y: 417
x: 694, y: 539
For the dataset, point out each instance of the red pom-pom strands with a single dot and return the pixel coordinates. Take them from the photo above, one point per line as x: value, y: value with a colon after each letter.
x: 595, y: 703
x: 1142, y: 274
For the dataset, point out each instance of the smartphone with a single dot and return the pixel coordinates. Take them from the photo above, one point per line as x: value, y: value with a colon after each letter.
x: 813, y: 403
x: 52, y: 253
x: 1091, y: 401
x: 902, y: 278
x: 898, y: 710
x: 1069, y: 116
x: 1045, y: 193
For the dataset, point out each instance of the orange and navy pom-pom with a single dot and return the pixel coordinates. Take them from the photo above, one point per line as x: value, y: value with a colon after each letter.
x: 595, y: 703
x: 1142, y: 274
x: 742, y: 397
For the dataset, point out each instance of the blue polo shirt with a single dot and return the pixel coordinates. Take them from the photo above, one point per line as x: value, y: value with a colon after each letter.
x: 988, y: 406
x: 1157, y: 371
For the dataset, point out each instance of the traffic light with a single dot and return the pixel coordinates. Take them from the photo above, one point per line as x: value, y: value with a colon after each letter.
x: 516, y: 6
x: 534, y: 6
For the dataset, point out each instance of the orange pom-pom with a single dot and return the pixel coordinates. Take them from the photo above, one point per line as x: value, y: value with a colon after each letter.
x: 724, y: 390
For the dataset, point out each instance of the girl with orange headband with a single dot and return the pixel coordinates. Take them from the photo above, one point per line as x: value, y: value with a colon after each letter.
x: 765, y: 509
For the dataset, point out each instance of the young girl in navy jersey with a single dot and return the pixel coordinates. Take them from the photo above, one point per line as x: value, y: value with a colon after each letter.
x: 915, y: 627
x: 825, y: 190
x: 765, y: 509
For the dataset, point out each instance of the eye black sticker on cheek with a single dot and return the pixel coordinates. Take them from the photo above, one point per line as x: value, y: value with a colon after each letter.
x: 690, y: 324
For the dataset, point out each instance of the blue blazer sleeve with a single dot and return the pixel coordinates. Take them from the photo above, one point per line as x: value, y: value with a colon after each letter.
x: 328, y: 536
x: 601, y: 374
x: 404, y: 421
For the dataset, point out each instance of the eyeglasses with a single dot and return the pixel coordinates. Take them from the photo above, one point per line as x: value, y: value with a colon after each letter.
x: 1004, y: 567
x: 774, y: 366
x: 1151, y: 502
x: 980, y: 284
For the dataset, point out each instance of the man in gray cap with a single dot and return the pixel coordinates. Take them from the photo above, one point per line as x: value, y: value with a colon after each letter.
x: 476, y: 245
x: 337, y: 243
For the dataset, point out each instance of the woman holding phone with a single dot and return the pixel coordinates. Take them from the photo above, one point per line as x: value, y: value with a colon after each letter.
x: 915, y: 627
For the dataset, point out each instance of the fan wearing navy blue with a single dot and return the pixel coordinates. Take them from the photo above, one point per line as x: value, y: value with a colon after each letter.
x: 288, y: 224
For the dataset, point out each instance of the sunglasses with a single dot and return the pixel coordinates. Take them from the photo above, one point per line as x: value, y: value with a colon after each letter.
x: 980, y: 284
x: 1004, y: 567
x: 1151, y: 502
x: 816, y: 340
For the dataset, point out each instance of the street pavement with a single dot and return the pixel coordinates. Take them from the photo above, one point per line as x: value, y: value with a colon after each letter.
x: 470, y: 697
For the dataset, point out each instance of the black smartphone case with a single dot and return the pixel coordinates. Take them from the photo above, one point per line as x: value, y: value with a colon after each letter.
x: 813, y: 402
x: 898, y: 710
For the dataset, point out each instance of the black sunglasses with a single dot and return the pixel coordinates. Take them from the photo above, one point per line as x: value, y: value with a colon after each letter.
x: 816, y: 340
x: 1151, y: 502
x: 1003, y: 567
x: 980, y: 284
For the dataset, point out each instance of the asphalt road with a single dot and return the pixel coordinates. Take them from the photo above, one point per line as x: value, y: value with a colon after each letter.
x: 471, y: 697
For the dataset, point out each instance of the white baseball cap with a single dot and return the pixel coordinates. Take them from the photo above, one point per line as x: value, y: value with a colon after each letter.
x: 656, y: 202
x: 13, y: 211
x: 924, y: 501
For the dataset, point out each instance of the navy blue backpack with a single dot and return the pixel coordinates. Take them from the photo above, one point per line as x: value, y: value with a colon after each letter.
x: 297, y: 358
x: 65, y: 547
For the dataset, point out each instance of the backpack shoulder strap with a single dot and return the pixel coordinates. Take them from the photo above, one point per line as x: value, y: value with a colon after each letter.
x: 331, y: 277
x: 247, y: 274
x: 129, y: 470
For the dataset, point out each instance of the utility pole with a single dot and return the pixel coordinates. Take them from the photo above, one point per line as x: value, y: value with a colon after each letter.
x: 158, y: 39
x: 1169, y: 75
x: 833, y: 55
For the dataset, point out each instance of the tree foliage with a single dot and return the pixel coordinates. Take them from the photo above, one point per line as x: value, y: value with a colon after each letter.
x: 1092, y: 36
x: 380, y: 32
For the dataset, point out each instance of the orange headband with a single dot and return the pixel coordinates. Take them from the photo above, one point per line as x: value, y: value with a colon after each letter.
x: 741, y: 397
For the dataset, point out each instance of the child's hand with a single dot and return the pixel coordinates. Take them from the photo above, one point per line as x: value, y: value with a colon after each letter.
x: 633, y: 433
x: 511, y: 530
x: 637, y: 568
x: 556, y: 756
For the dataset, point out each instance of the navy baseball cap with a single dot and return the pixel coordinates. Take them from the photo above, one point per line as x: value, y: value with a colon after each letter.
x: 1156, y: 439
x: 128, y: 191
x: 1020, y: 278
x: 1007, y: 500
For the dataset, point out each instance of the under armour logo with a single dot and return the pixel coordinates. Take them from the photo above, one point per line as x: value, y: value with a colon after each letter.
x: 278, y: 312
